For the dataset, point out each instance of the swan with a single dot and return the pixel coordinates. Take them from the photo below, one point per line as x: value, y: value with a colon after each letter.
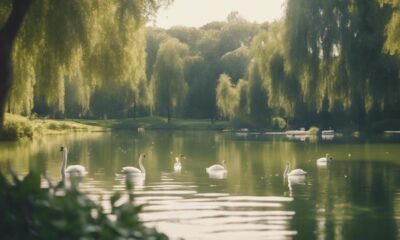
x: 324, y: 160
x: 294, y: 172
x: 136, y: 171
x: 217, y: 170
x: 178, y: 164
x: 72, y: 169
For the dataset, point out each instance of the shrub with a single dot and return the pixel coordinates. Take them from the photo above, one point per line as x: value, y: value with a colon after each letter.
x: 313, y: 131
x: 15, y: 128
x: 30, y: 212
x: 278, y: 123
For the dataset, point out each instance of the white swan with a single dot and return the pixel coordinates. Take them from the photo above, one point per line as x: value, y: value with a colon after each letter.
x: 217, y: 170
x: 324, y: 160
x: 136, y: 171
x: 72, y: 169
x: 178, y: 164
x: 294, y: 172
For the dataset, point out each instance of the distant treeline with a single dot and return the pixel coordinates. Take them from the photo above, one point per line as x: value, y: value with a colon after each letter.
x: 326, y: 63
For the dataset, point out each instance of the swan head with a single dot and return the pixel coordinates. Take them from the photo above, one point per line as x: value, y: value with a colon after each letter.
x: 63, y: 149
x: 286, y: 168
x: 177, y: 159
x: 328, y: 157
x: 224, y: 163
x: 142, y: 156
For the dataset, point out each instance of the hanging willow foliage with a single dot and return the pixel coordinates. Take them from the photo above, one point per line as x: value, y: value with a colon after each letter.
x: 93, y: 43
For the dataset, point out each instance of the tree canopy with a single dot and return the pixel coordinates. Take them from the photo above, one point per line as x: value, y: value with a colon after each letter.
x: 326, y: 63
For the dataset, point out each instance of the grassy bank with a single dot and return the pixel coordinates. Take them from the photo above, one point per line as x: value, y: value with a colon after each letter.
x: 17, y: 127
x: 157, y: 123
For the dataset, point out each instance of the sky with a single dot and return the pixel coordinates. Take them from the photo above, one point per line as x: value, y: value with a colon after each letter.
x: 196, y: 13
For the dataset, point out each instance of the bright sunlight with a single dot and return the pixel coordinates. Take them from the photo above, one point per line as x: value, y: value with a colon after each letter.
x: 196, y: 13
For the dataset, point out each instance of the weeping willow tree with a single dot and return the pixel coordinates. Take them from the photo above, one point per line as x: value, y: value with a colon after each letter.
x: 335, y: 50
x: 258, y: 96
x: 168, y: 80
x: 11, y: 20
x: 392, y: 30
x: 269, y: 64
x: 227, y: 97
x: 85, y: 45
x: 332, y: 56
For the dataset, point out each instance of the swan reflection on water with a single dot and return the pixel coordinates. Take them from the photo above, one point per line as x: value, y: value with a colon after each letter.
x: 130, y: 179
x: 294, y: 177
x: 218, y: 175
x: 178, y: 163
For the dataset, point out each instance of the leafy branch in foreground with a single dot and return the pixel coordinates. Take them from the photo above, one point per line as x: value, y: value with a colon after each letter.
x: 31, y: 212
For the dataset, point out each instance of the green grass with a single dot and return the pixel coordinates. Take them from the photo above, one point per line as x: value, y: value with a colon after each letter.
x: 16, y: 127
x: 158, y: 123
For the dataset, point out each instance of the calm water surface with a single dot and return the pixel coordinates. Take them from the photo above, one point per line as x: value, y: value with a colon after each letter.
x: 355, y: 197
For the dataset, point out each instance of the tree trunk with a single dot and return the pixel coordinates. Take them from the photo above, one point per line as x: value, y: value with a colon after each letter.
x: 134, y: 111
x: 7, y: 37
x: 168, y: 114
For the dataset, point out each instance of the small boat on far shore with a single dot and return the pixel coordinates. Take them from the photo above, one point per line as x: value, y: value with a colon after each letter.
x: 328, y: 132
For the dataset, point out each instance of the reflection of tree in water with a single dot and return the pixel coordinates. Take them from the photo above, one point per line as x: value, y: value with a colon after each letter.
x: 349, y: 200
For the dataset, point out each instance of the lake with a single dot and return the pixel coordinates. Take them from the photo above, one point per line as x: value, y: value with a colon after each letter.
x: 356, y: 196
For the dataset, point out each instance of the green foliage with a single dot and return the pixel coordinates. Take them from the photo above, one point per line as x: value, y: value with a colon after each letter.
x: 157, y: 123
x: 235, y: 63
x: 15, y: 128
x: 215, y: 48
x: 227, y: 97
x: 330, y: 53
x: 58, y: 212
x: 313, y: 131
x: 278, y: 123
x: 326, y: 64
x: 83, y: 47
x: 168, y: 80
x: 334, y: 51
x: 257, y: 97
x: 392, y: 30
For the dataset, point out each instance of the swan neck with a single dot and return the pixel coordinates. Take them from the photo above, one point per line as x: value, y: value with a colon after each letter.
x: 141, y: 165
x: 286, y: 170
x: 65, y: 159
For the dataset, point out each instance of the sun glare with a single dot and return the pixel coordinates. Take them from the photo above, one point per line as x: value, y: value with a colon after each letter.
x: 195, y: 13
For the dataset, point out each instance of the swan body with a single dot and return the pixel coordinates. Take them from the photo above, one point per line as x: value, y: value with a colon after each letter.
x: 75, y: 169
x: 324, y: 160
x: 297, y: 172
x: 178, y: 164
x: 294, y: 172
x: 136, y: 171
x: 72, y: 169
x: 217, y: 170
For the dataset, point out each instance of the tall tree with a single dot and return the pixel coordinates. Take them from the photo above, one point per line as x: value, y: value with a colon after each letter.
x: 168, y: 83
x: 227, y: 97
x: 92, y: 43
x: 8, y: 33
